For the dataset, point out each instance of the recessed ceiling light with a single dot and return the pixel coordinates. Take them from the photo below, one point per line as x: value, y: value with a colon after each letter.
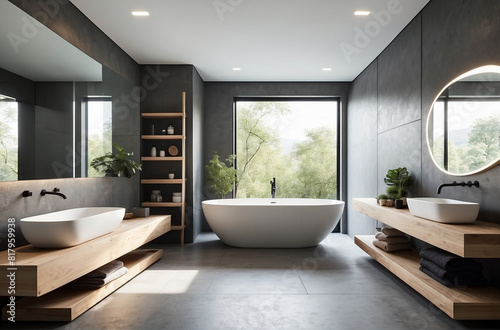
x: 362, y: 13
x: 236, y: 69
x: 140, y: 13
x: 327, y: 69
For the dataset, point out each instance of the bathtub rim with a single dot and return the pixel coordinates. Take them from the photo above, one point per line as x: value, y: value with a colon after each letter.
x: 291, y: 202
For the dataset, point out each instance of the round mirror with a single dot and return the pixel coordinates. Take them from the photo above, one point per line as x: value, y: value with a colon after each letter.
x: 463, y: 125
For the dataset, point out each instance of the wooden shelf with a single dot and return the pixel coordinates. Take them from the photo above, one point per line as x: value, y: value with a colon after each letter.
x: 162, y: 181
x: 459, y: 303
x: 39, y: 271
x: 66, y: 304
x: 160, y: 159
x: 157, y: 172
x: 477, y: 240
x: 162, y: 115
x: 178, y: 227
x: 161, y: 204
x: 162, y: 137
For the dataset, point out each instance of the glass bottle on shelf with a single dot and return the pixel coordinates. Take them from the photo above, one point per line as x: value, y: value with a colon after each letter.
x: 162, y: 151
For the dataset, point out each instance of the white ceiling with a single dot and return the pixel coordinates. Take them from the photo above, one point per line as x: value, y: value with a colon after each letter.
x: 270, y: 40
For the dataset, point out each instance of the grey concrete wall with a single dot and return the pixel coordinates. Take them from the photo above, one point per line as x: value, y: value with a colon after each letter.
x: 218, y: 127
x: 197, y: 150
x: 394, y: 95
x: 362, y: 148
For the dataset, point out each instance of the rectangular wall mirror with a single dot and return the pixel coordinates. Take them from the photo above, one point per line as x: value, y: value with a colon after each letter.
x: 56, y: 103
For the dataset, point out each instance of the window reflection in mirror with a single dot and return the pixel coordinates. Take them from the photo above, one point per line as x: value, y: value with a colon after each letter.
x: 463, y: 128
x: 97, y: 130
x: 8, y: 139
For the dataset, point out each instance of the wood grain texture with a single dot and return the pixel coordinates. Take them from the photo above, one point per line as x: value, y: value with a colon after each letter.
x: 40, y: 271
x: 162, y: 115
x: 459, y: 303
x: 66, y: 304
x: 477, y: 240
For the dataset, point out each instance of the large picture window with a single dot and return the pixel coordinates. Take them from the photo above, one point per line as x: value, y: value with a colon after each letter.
x: 293, y: 140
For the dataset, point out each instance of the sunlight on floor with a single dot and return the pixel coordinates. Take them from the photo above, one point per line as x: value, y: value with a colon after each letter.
x: 161, y: 282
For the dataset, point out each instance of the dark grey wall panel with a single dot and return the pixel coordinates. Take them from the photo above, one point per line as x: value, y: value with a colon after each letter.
x: 400, y: 147
x: 458, y: 36
x: 54, y: 128
x: 448, y: 38
x: 362, y: 147
x: 455, y: 37
x: 197, y: 150
x: 399, y: 82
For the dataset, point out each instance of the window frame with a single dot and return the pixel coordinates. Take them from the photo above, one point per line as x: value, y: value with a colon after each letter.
x: 338, y: 127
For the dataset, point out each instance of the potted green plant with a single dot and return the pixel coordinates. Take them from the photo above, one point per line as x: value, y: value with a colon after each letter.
x: 221, y: 177
x: 118, y: 164
x: 171, y: 174
x: 398, y: 179
x: 382, y: 199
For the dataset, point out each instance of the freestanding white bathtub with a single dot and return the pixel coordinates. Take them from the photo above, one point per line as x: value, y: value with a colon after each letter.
x: 272, y: 222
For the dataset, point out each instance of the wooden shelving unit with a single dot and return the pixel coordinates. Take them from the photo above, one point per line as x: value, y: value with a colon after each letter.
x: 147, y: 183
x: 66, y: 304
x: 42, y: 275
x: 458, y: 303
x: 161, y: 137
x: 161, y: 159
x: 477, y: 240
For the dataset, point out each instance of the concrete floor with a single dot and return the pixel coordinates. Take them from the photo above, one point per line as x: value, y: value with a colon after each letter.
x: 208, y: 285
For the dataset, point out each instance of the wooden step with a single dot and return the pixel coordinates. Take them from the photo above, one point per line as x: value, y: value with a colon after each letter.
x: 481, y: 303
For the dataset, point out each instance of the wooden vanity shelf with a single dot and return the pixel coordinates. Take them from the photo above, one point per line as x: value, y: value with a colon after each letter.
x: 43, y: 273
x: 477, y: 240
x: 460, y: 304
x: 66, y: 304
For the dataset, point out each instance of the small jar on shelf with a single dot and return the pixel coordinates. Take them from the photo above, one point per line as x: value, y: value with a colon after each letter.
x: 156, y: 196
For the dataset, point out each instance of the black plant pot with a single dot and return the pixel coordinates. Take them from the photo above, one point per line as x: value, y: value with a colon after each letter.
x: 398, y: 203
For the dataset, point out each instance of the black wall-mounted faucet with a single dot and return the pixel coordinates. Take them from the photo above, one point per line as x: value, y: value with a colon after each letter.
x: 27, y: 193
x: 455, y: 183
x: 55, y: 192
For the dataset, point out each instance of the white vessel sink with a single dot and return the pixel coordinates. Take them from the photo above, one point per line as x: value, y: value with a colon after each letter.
x: 70, y: 227
x: 443, y: 210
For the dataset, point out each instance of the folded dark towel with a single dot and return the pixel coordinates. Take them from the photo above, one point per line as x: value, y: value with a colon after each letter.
x: 456, y: 281
x: 463, y: 275
x: 392, y: 232
x: 86, y: 283
x: 105, y: 270
x: 391, y: 240
x: 391, y: 247
x: 449, y: 261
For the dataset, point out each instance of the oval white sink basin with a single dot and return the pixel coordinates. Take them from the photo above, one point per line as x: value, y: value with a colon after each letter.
x: 443, y: 210
x: 70, y: 227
